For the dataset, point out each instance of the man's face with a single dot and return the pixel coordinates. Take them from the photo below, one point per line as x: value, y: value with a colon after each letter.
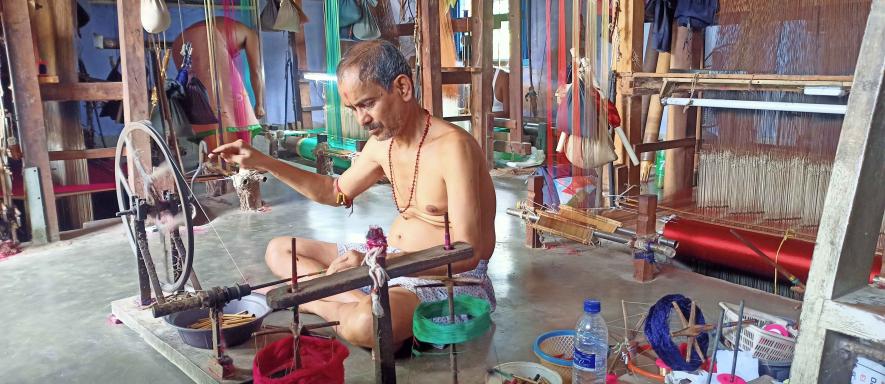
x: 378, y: 111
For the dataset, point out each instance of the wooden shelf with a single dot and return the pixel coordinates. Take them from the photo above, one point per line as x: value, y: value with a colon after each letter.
x: 458, y: 25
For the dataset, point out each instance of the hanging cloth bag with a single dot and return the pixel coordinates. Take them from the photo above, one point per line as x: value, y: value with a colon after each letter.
x: 155, y: 16
x: 269, y: 15
x: 367, y: 27
x: 289, y: 17
x: 596, y: 148
x: 348, y: 13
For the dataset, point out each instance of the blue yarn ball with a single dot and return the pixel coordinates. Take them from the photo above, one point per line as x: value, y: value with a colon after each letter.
x: 657, y: 331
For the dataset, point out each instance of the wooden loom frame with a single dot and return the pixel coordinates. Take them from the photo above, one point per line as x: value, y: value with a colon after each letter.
x: 478, y: 73
x: 633, y: 82
x: 30, y: 93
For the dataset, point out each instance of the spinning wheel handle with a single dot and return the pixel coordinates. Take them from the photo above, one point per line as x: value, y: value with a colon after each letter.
x: 127, y: 212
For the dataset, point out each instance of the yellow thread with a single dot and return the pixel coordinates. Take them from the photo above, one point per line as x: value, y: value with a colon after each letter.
x: 787, y: 234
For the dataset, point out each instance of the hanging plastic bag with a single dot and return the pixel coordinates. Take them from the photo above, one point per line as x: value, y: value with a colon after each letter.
x: 367, y: 27
x: 289, y: 17
x: 113, y: 108
x: 196, y: 103
x: 178, y: 117
x: 155, y: 16
x: 348, y: 13
x: 269, y: 15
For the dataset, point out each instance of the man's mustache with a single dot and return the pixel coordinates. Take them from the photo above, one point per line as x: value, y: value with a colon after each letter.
x: 373, y: 126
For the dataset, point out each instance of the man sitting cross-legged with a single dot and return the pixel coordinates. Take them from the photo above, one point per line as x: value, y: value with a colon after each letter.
x: 434, y: 168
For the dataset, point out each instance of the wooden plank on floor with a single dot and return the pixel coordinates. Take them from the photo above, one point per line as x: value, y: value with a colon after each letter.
x: 165, y: 340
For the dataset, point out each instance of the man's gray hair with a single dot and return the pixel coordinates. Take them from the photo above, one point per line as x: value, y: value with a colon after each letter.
x: 377, y: 60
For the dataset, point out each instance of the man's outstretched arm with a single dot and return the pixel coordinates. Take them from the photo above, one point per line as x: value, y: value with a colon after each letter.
x: 320, y: 188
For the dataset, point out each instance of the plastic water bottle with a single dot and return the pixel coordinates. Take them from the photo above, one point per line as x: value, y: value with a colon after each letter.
x: 591, y: 346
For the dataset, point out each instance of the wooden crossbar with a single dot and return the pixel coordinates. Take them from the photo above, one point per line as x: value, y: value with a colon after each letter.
x: 356, y: 278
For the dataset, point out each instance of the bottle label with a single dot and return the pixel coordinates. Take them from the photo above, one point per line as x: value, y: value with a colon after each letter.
x: 584, y: 360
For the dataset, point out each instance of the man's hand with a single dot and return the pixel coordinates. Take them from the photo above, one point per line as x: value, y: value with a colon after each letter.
x: 351, y: 259
x: 259, y: 110
x: 243, y: 155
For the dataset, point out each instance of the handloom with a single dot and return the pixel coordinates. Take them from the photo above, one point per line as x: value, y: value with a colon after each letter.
x: 152, y: 192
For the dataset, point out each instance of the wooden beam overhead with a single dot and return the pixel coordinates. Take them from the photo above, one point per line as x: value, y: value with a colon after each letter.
x: 82, y: 91
x: 461, y: 24
x: 653, y: 83
x: 663, y: 145
x: 456, y: 75
x: 100, y: 153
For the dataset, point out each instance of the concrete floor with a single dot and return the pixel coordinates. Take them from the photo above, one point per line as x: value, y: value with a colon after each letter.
x: 56, y: 298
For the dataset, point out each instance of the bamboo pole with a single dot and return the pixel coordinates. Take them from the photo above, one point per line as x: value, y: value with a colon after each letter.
x: 652, y: 122
x: 676, y: 180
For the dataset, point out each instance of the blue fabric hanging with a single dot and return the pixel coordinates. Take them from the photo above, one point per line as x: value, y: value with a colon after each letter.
x: 551, y: 197
x: 663, y: 11
x: 696, y: 14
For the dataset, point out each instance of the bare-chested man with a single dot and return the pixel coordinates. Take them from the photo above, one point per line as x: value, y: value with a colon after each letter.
x: 406, y: 142
x: 238, y: 117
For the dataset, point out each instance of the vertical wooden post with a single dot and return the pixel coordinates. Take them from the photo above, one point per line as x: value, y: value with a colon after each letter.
x: 481, y: 76
x: 629, y: 59
x: 28, y: 104
x: 838, y: 299
x: 431, y: 77
x: 132, y: 62
x: 385, y: 368
x: 516, y: 91
x: 54, y: 23
x: 135, y: 90
x: 536, y: 198
x: 677, y: 182
x: 643, y: 269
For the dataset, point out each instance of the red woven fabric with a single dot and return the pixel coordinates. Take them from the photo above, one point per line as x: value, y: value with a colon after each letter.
x: 322, y: 362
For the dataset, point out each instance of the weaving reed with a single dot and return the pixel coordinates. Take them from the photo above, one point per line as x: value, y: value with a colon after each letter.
x: 768, y: 168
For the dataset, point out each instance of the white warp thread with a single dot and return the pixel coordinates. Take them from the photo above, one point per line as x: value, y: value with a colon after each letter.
x: 379, y: 277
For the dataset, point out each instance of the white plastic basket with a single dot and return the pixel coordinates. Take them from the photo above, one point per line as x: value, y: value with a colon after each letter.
x: 763, y: 344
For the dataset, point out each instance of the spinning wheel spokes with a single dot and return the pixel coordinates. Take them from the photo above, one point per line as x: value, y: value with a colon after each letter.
x: 156, y: 207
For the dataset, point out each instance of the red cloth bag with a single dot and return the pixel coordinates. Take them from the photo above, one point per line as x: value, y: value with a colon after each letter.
x: 322, y: 362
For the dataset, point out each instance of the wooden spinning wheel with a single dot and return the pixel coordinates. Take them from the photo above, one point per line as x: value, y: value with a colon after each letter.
x: 155, y: 207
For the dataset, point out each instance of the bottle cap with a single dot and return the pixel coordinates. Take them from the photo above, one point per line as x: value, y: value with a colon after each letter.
x: 591, y: 306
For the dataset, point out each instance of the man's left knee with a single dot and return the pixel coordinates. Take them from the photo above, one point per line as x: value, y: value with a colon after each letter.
x: 358, y: 327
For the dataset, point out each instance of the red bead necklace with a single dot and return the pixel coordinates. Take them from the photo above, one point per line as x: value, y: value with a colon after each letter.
x: 415, y: 177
